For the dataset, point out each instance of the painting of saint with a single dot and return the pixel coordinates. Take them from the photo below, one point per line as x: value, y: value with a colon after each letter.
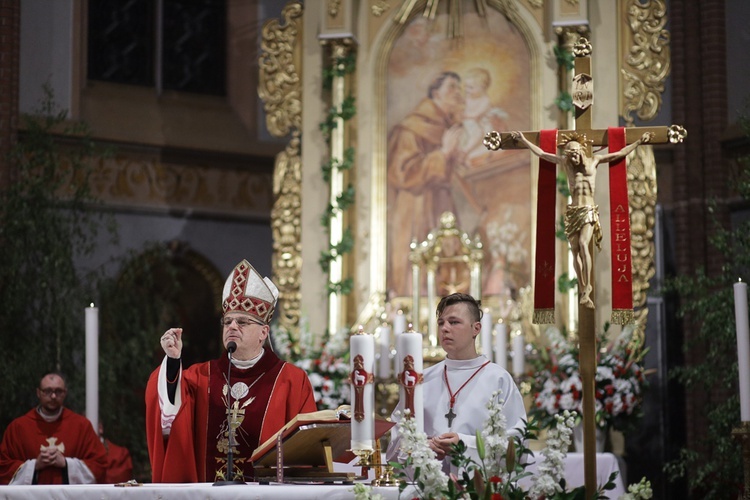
x: 442, y: 97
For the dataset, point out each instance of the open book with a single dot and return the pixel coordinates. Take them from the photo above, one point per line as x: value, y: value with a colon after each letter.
x: 314, y: 439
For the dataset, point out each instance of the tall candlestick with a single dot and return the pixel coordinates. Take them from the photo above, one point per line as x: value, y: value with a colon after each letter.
x: 743, y: 347
x: 519, y: 362
x: 410, y: 363
x: 362, y: 354
x: 92, y: 365
x: 501, y: 345
x: 486, y: 334
x: 384, y: 367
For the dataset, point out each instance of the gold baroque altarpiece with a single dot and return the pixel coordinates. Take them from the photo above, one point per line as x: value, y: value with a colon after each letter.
x: 280, y: 89
x: 644, y: 66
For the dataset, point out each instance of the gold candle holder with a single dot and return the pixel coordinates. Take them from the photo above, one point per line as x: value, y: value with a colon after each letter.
x: 742, y: 433
x: 364, y: 461
x: 383, y: 472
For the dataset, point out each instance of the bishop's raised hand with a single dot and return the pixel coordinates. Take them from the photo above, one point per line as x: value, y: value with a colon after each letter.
x: 171, y: 342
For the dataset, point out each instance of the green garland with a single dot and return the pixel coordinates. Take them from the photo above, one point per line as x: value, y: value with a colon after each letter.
x: 342, y: 66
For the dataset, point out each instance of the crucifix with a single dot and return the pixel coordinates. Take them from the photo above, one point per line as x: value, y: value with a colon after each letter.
x: 582, y: 222
x: 450, y: 416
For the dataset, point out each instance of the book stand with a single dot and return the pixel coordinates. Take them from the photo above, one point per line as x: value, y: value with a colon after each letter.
x: 307, y: 455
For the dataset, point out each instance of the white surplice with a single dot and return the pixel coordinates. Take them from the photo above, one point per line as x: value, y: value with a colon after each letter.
x: 470, y: 407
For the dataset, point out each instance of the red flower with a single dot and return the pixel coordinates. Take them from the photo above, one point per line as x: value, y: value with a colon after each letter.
x: 496, y: 480
x: 496, y: 496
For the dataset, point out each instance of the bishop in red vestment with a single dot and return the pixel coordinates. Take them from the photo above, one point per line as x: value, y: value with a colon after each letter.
x: 188, y: 423
x: 51, y: 444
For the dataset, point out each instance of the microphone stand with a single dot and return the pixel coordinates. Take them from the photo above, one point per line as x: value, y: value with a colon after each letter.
x: 230, y: 477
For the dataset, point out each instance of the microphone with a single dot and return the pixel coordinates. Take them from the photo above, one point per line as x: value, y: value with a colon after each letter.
x: 230, y: 477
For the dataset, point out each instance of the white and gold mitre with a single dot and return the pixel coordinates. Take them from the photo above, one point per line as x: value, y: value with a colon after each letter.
x: 245, y: 291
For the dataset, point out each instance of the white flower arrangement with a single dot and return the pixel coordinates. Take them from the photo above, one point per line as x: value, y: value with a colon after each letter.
x: 327, y: 365
x: 502, y: 462
x: 502, y: 465
x: 619, y: 381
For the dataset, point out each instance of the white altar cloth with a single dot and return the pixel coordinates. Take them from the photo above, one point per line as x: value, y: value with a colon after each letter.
x: 199, y: 491
x: 606, y: 464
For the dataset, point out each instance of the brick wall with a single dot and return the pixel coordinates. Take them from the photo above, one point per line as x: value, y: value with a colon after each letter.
x: 700, y: 170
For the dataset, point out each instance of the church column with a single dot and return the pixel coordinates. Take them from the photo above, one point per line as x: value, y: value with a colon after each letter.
x: 337, y: 32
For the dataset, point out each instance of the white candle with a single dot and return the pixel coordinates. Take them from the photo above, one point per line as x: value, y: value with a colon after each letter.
x: 410, y: 344
x: 384, y: 367
x: 486, y: 334
x: 362, y: 360
x: 92, y: 366
x: 501, y: 345
x: 399, y: 323
x: 519, y: 361
x: 743, y: 347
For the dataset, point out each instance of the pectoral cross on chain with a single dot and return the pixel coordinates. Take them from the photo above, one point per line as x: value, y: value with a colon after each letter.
x: 450, y: 416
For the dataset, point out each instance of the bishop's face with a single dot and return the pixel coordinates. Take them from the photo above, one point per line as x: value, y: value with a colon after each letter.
x: 247, y: 331
x: 457, y: 331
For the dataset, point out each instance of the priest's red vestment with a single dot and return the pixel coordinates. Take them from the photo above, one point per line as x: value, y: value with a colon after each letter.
x: 119, y: 463
x: 25, y: 435
x: 196, y: 446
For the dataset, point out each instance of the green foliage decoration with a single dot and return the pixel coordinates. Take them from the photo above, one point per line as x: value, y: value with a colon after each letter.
x: 565, y: 58
x: 341, y: 67
x: 564, y: 101
x: 344, y: 246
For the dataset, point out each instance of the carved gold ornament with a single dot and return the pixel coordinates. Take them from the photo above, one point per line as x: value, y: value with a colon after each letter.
x: 644, y: 67
x: 379, y: 7
x: 646, y: 64
x: 582, y: 48
x: 279, y: 86
x: 333, y: 7
x: 280, y: 90
x: 676, y: 134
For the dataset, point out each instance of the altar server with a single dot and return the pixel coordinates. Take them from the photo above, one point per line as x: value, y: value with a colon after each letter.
x: 460, y: 386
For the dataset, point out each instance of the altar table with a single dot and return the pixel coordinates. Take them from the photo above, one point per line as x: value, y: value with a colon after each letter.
x: 606, y: 463
x: 199, y: 491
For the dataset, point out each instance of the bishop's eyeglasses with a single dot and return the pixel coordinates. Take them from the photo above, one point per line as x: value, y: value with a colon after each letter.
x: 241, y: 322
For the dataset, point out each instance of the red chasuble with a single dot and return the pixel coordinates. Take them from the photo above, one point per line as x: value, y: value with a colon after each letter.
x: 25, y: 435
x: 196, y: 447
x: 119, y: 463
